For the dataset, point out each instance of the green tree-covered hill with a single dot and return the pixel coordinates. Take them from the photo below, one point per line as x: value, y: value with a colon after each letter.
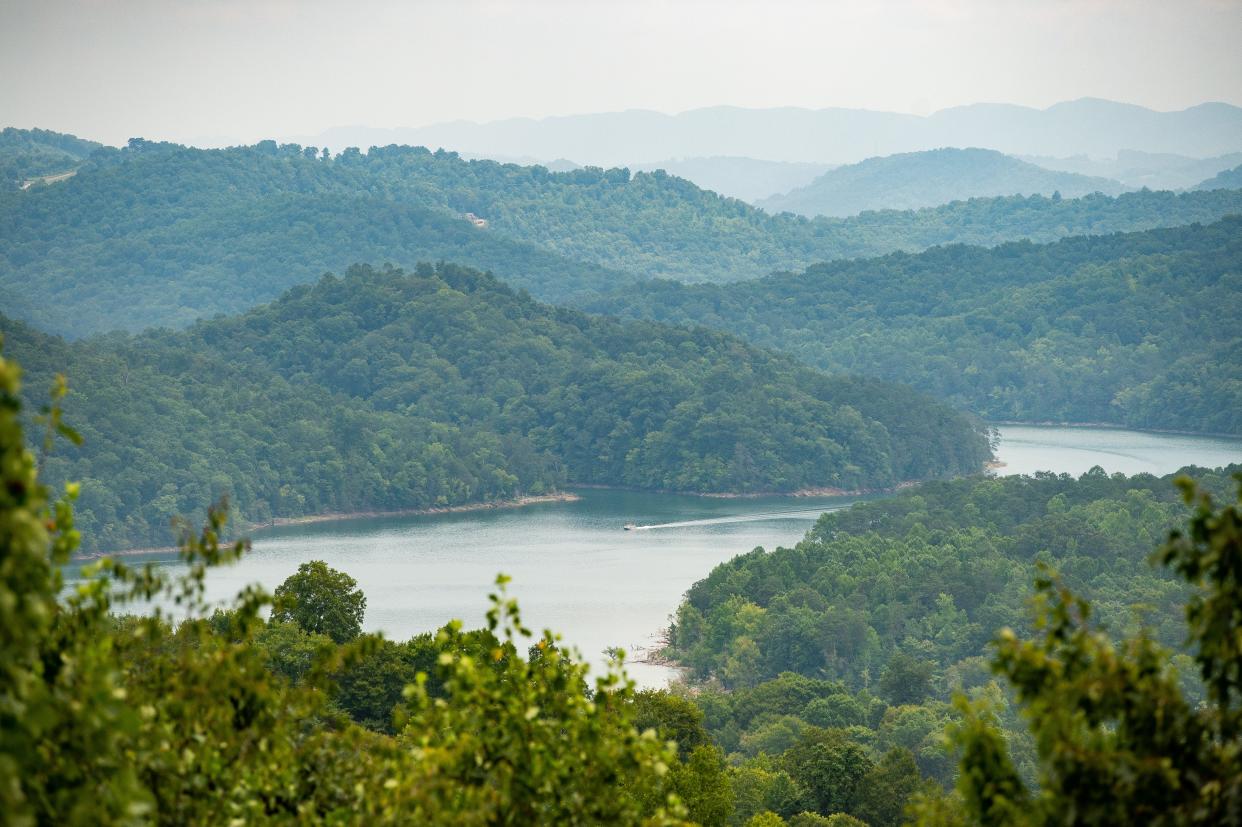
x: 1142, y: 329
x: 385, y: 391
x: 930, y: 577
x: 28, y: 154
x: 157, y: 234
x: 912, y: 180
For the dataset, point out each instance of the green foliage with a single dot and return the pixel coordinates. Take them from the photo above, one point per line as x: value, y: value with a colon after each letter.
x: 157, y: 234
x: 387, y: 391
x: 704, y: 787
x: 673, y: 717
x: 321, y: 601
x: 524, y: 743
x: 291, y: 652
x: 906, y: 679
x: 829, y: 767
x: 928, y: 576
x: 1139, y: 329
x: 139, y: 721
x: 27, y: 154
x: 882, y: 793
x: 844, y: 820
x: 1117, y: 741
x: 759, y: 789
x: 807, y: 819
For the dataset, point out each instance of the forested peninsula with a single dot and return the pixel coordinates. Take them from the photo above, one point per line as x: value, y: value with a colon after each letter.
x: 860, y: 636
x: 386, y: 390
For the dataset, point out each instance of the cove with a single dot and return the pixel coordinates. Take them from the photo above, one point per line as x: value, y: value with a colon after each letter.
x: 577, y: 571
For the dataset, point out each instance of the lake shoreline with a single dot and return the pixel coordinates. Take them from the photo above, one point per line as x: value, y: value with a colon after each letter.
x: 821, y: 491
x: 1109, y: 426
x: 464, y: 508
x: 346, y: 516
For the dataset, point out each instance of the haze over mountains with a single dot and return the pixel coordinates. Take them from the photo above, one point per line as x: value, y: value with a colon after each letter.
x: 745, y: 178
x: 1154, y: 170
x: 1089, y: 126
x: 1228, y: 179
x: 912, y: 180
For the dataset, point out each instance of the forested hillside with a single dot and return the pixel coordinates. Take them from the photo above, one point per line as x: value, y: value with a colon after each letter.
x: 1153, y: 170
x: 161, y: 235
x: 383, y: 390
x: 1142, y: 329
x: 851, y: 643
x: 914, y: 180
x: 932, y: 574
x: 26, y: 154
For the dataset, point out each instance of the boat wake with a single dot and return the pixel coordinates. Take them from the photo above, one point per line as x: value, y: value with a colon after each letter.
x: 791, y: 514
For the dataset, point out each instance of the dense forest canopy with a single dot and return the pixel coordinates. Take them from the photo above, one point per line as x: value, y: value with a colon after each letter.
x: 384, y: 390
x: 158, y: 234
x: 913, y: 180
x: 884, y: 612
x: 931, y: 574
x: 826, y: 671
x: 1142, y: 329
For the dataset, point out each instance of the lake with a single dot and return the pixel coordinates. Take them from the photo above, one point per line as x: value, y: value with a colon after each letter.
x: 577, y: 571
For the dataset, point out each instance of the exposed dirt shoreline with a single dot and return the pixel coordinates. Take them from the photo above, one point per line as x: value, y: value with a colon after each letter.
x: 335, y: 517
x: 489, y: 505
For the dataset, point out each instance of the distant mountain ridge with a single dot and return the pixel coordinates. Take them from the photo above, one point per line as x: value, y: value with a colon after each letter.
x: 749, y: 179
x: 1088, y: 126
x: 157, y: 234
x: 912, y: 180
x: 1227, y: 180
x: 1154, y: 170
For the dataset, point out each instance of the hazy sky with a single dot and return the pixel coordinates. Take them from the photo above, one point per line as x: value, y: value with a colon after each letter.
x: 206, y: 70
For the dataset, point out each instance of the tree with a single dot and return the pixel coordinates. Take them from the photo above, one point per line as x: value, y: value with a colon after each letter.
x: 757, y: 789
x: 702, y: 783
x: 321, y: 600
x: 906, y: 679
x: 829, y: 767
x: 370, y: 689
x: 1117, y: 741
x: 673, y: 717
x: 526, y: 743
x: 884, y: 791
x: 808, y: 819
x: 766, y: 819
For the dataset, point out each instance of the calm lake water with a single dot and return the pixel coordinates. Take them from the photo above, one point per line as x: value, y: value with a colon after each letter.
x: 577, y: 571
